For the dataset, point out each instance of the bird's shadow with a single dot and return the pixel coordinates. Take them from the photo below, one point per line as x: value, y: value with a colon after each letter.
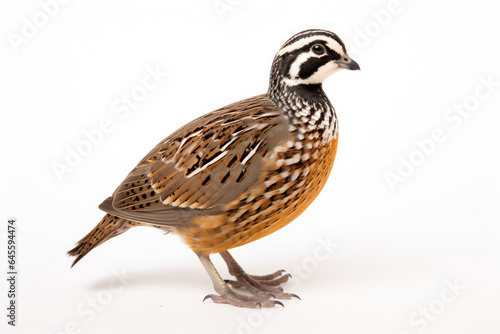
x: 184, y: 276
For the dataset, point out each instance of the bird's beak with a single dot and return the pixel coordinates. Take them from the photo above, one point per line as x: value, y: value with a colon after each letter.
x: 347, y: 63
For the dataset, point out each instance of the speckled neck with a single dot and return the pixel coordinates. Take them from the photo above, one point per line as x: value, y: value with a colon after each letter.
x: 306, y: 106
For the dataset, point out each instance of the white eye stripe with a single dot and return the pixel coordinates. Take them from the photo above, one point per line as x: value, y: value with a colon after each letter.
x: 331, y: 43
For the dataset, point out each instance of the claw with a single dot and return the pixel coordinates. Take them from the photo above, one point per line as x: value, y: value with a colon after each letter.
x: 208, y: 296
x: 277, y: 302
x: 259, y: 305
x: 294, y: 295
x: 271, y: 295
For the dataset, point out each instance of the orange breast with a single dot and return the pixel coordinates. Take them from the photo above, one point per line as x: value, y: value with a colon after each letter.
x: 286, y: 189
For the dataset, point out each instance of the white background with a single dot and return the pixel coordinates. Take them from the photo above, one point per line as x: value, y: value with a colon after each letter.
x: 396, y: 249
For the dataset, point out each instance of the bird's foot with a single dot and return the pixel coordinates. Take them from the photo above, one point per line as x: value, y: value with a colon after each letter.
x: 228, y: 296
x: 264, y: 289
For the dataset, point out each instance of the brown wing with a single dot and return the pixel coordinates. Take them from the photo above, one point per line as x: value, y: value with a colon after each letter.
x: 202, y: 166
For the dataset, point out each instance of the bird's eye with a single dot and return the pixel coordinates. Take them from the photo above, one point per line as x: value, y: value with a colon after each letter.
x: 318, y: 49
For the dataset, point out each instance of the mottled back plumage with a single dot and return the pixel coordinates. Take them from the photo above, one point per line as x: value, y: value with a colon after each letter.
x: 205, y: 164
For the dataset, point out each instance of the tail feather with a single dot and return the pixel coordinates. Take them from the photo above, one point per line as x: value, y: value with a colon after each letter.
x: 110, y: 226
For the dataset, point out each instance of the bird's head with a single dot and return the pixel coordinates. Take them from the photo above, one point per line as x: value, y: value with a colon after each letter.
x: 309, y: 57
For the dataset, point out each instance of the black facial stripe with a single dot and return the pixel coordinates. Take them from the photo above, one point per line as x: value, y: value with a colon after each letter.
x: 334, y: 55
x: 310, y: 66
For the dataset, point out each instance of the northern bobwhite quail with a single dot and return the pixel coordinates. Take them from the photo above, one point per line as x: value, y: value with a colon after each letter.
x: 240, y: 172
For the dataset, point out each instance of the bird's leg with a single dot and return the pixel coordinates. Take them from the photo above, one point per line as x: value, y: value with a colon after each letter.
x: 228, y: 296
x: 257, y: 285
